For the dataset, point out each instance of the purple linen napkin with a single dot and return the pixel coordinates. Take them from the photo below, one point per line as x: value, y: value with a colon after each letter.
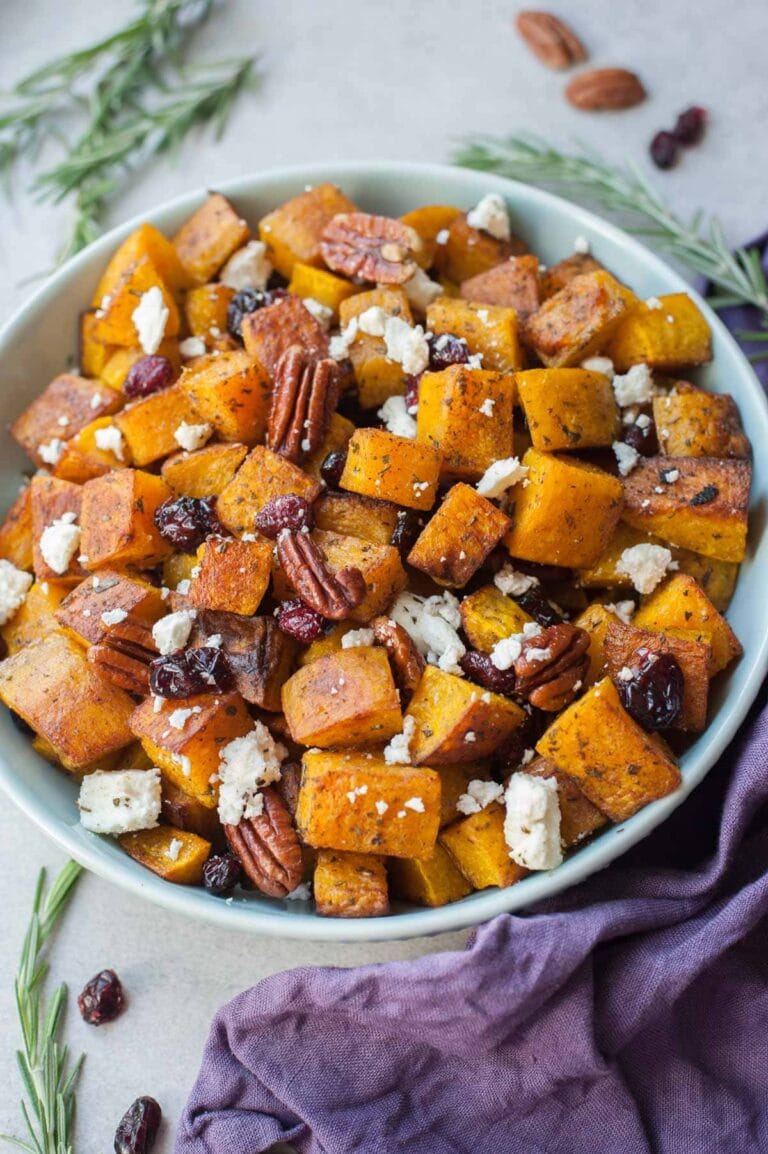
x: 629, y: 1014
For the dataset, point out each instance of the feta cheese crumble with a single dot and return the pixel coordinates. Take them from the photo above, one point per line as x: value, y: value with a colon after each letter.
x: 120, y: 801
x: 405, y: 344
x: 114, y: 616
x: 191, y: 437
x: 14, y: 586
x: 624, y: 610
x: 479, y: 795
x: 602, y: 365
x: 356, y: 638
x: 421, y: 290
x: 59, y: 542
x: 506, y: 652
x: 110, y: 440
x: 397, y: 419
x: 51, y: 451
x: 487, y: 407
x: 634, y: 387
x: 645, y: 565
x: 625, y: 674
x: 178, y: 718
x: 626, y: 456
x: 174, y: 849
x: 246, y: 765
x: 172, y: 631
x: 490, y: 215
x: 532, y: 821
x: 150, y: 318
x: 512, y: 583
x: 322, y: 314
x: 192, y: 347
x: 416, y: 804
x: 581, y: 245
x: 653, y: 303
x: 433, y: 625
x: 500, y: 476
x: 398, y: 751
x: 248, y: 268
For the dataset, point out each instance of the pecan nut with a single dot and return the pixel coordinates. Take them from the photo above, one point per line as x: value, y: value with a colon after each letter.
x: 373, y: 248
x: 332, y: 595
x: 305, y: 394
x: 407, y: 663
x: 268, y: 847
x: 605, y: 90
x: 124, y: 653
x: 552, y: 666
x: 552, y: 41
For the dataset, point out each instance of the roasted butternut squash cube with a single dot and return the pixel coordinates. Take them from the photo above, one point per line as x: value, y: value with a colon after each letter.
x: 578, y: 321
x: 175, y: 855
x: 182, y: 811
x: 50, y: 500
x: 149, y: 424
x: 557, y: 276
x: 65, y: 407
x: 262, y: 476
x: 681, y: 604
x: 293, y: 232
x: 579, y: 818
x: 716, y: 578
x: 350, y: 885
x: 568, y: 409
x: 467, y: 251
x: 626, y: 644
x: 16, y: 531
x: 699, y: 424
x: 145, y: 242
x: 82, y: 458
x: 478, y: 847
x: 380, y: 566
x: 377, y: 376
x: 595, y: 620
x: 329, y: 642
x: 490, y: 330
x: 122, y: 360
x: 205, y: 472
x: 232, y: 393
x: 356, y: 516
x: 209, y: 237
x: 206, y: 308
x: 433, y: 881
x: 488, y: 616
x: 429, y: 221
x: 390, y: 468
x: 619, y: 766
x: 177, y: 568
x: 338, y: 805
x: 459, y: 537
x: 82, y: 610
x: 697, y: 502
x: 605, y: 572
x: 260, y: 656
x: 455, y: 721
x: 667, y: 335
x: 454, y: 780
x: 565, y: 514
x: 189, y: 756
x: 114, y: 323
x: 467, y: 415
x: 118, y: 519
x: 347, y: 698
x: 320, y: 285
x: 232, y: 575
x: 93, y: 354
x: 514, y: 284
x: 269, y: 332
x: 37, y: 616
x: 51, y: 685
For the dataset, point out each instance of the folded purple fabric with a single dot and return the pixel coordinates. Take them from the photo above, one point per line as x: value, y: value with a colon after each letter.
x: 628, y: 1015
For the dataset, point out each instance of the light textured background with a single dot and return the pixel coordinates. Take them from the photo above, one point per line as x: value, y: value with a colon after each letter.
x: 341, y: 81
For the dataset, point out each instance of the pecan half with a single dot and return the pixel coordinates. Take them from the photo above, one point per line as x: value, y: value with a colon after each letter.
x: 305, y: 394
x: 124, y: 654
x: 405, y: 659
x: 550, y: 39
x: 605, y: 90
x: 268, y: 847
x: 374, y: 248
x: 332, y: 595
x: 552, y: 666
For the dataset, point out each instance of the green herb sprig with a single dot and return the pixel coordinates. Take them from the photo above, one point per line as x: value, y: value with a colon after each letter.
x: 47, y: 1072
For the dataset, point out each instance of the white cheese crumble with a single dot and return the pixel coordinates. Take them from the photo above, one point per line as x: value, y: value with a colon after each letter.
x: 396, y: 418
x: 442, y: 236
x: 581, y: 245
x: 653, y: 303
x: 178, y: 718
x: 247, y: 764
x: 512, y: 583
x: 381, y: 807
x: 487, y: 407
x: 479, y: 795
x: 532, y: 821
x: 354, y: 794
x: 645, y: 565
x: 174, y: 849
x: 398, y: 751
x: 626, y: 456
x: 248, y: 268
x: 500, y: 476
x: 95, y: 401
x: 669, y: 476
x: 172, y: 631
x: 643, y: 421
x: 506, y: 652
x: 356, y: 638
x: 14, y: 586
x: 340, y: 343
x: 602, y: 365
x: 191, y: 437
x: 110, y: 440
x: 624, y: 610
x: 59, y: 542
x: 433, y: 625
x: 322, y: 314
x: 421, y: 290
x: 470, y: 736
x: 214, y: 641
x: 634, y: 387
x: 302, y: 893
x: 150, y: 318
x: 490, y: 215
x: 625, y: 674
x: 51, y: 451
x: 416, y: 804
x: 113, y: 616
x: 120, y: 801
x: 192, y: 347
x: 405, y: 344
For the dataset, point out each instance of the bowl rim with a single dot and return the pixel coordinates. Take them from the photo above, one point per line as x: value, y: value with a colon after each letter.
x: 246, y: 915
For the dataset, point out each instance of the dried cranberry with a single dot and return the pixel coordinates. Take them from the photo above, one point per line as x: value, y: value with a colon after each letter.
x: 221, y: 873
x: 663, y: 149
x: 445, y: 350
x: 479, y: 667
x: 642, y: 437
x: 412, y: 393
x: 148, y: 375
x: 203, y: 670
x: 288, y: 511
x: 249, y: 301
x: 332, y: 468
x: 300, y: 621
x: 186, y: 522
x: 535, y: 603
x: 101, y: 999
x: 407, y: 528
x: 137, y: 1129
x: 654, y: 694
x: 690, y: 125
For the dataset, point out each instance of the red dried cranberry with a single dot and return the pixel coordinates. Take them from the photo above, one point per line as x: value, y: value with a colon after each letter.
x: 479, y: 668
x: 412, y: 393
x: 101, y: 999
x: 690, y: 125
x: 536, y: 605
x: 288, y: 511
x: 137, y: 1129
x: 221, y: 873
x: 663, y: 149
x: 249, y: 301
x: 332, y: 468
x: 446, y: 350
x: 300, y: 621
x: 407, y: 528
x: 642, y: 438
x: 654, y: 694
x: 186, y: 522
x: 148, y: 375
x: 204, y: 670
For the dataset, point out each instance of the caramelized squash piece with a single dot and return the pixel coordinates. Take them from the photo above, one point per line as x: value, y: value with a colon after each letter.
x: 175, y: 855
x: 350, y: 885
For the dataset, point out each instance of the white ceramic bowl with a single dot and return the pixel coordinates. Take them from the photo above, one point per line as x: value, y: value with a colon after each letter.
x: 39, y: 341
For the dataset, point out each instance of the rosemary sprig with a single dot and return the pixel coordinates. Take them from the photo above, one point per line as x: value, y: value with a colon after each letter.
x: 48, y: 1075
x: 698, y: 243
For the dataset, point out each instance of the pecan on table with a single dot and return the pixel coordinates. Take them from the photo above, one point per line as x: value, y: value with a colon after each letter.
x: 124, y: 654
x: 332, y: 595
x: 304, y: 397
x: 550, y: 39
x: 373, y: 248
x: 268, y: 847
x: 407, y: 663
x: 605, y: 89
x: 552, y: 667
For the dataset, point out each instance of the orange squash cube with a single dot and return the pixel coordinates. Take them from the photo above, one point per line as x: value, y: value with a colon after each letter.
x: 579, y: 818
x: 466, y: 414
x: 176, y: 855
x: 37, y: 616
x: 665, y: 338
x: 456, y: 721
x: 205, y: 472
x: 293, y: 231
x: 346, y: 698
x: 339, y: 433
x: 231, y: 575
x: 699, y: 424
x: 356, y: 516
x: 206, y: 308
x: 488, y: 616
x: 81, y: 612
x: 568, y: 409
x: 16, y: 531
x: 146, y: 242
x: 595, y: 620
x: 232, y: 393
x: 478, y: 847
x: 429, y: 220
x: 578, y: 321
x: 380, y: 566
x: 459, y: 537
x: 114, y: 324
x: 92, y: 353
x: 82, y: 458
x: 621, y: 646
x: 391, y: 468
x: 320, y: 285
x: 557, y: 276
x: 149, y: 424
x: 468, y: 251
x: 118, y: 519
x: 209, y: 237
x: 432, y: 881
x: 514, y: 284
x: 262, y: 476
x: 377, y: 376
x: 490, y: 330
x: 681, y: 604
x: 65, y: 407
x: 50, y: 499
x: 350, y: 885
x: 122, y: 360
x: 269, y: 332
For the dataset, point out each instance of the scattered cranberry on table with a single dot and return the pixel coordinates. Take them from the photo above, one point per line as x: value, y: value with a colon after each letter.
x: 664, y: 149
x: 190, y: 671
x: 137, y: 1129
x: 148, y: 375
x: 101, y: 999
x: 689, y: 129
